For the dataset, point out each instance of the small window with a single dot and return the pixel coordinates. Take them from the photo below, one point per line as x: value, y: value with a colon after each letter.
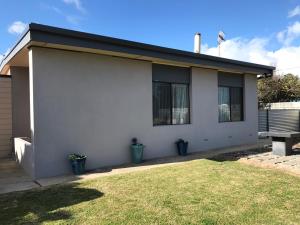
x: 171, y: 104
x: 236, y: 104
x: 230, y: 104
x: 161, y: 103
x: 230, y: 97
x: 224, y: 104
x: 180, y: 104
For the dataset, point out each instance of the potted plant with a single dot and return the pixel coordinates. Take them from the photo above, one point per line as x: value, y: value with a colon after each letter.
x: 182, y: 147
x: 137, y: 150
x: 78, y: 163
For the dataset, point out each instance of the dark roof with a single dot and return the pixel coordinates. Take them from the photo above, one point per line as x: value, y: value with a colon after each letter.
x: 64, y: 37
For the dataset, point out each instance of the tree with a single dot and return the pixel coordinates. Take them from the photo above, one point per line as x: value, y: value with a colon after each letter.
x: 278, y: 89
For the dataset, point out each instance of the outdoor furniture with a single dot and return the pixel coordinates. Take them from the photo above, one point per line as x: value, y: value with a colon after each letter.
x: 282, y: 141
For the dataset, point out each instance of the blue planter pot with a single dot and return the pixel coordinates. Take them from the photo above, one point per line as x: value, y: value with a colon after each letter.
x: 182, y: 147
x: 78, y: 166
x: 137, y: 153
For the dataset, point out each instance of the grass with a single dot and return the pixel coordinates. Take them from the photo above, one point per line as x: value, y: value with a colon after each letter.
x: 195, y: 192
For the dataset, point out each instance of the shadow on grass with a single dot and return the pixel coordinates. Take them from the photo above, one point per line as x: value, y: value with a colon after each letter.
x: 41, y: 205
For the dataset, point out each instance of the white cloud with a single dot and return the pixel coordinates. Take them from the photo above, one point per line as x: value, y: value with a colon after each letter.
x: 242, y: 49
x: 288, y: 35
x: 17, y: 27
x: 294, y: 12
x: 76, y: 3
x: 286, y: 59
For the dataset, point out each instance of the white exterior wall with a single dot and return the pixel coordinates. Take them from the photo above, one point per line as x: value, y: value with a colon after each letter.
x: 95, y: 105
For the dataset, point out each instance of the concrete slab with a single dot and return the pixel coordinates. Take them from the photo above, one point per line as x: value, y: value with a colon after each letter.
x: 18, y: 186
x: 13, y: 178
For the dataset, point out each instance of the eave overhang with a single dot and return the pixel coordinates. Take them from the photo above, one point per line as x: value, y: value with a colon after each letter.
x: 58, y: 38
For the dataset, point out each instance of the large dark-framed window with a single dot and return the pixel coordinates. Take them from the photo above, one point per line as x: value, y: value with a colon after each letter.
x: 171, y: 98
x: 230, y: 97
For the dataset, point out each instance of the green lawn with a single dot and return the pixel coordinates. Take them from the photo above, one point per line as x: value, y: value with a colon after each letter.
x: 195, y: 192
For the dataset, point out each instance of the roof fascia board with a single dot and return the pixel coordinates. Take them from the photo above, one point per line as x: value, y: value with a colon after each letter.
x: 58, y: 36
x: 18, y: 47
x: 47, y: 36
x: 138, y: 57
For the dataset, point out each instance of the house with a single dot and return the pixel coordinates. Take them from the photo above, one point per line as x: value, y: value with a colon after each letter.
x: 86, y: 93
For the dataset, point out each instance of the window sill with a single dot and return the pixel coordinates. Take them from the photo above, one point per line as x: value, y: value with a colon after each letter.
x: 233, y: 121
x: 171, y: 125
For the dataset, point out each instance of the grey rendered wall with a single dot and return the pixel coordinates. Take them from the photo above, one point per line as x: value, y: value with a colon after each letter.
x: 95, y: 104
x: 20, y: 102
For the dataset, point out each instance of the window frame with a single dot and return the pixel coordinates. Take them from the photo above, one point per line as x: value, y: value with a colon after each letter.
x: 242, y: 104
x: 171, y: 104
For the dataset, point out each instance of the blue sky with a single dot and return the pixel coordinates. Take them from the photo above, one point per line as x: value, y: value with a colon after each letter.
x: 265, y: 27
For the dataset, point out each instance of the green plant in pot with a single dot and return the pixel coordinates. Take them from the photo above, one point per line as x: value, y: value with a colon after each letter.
x: 137, y: 150
x: 78, y: 163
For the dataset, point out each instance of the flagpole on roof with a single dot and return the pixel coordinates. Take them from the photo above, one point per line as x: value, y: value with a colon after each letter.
x: 221, y: 38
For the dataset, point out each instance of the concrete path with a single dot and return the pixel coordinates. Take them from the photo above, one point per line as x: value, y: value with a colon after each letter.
x: 144, y: 166
x: 12, y: 178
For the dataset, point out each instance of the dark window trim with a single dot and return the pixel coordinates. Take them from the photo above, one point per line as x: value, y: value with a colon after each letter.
x: 242, y: 109
x: 171, y: 108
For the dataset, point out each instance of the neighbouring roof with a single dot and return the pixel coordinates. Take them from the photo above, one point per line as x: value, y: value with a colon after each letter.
x: 58, y: 38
